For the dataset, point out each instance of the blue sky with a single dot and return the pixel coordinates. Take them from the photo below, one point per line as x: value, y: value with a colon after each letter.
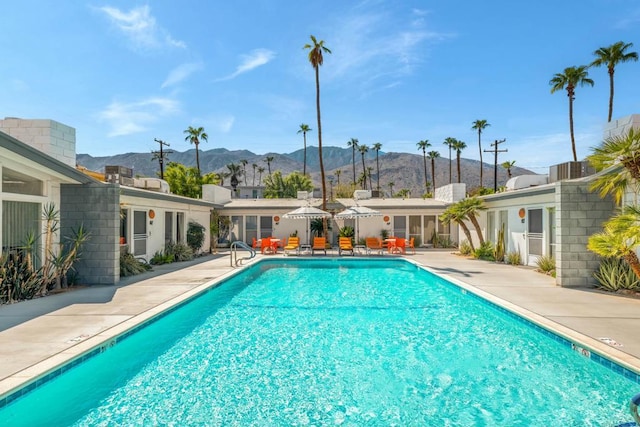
x: 124, y: 72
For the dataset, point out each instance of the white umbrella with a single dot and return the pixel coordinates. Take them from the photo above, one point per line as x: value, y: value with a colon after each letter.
x: 357, y: 212
x: 308, y: 213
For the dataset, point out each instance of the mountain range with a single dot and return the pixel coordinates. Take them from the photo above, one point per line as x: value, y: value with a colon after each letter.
x: 402, y: 170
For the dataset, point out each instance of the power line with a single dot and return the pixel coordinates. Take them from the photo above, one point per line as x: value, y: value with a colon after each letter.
x: 495, y: 151
x: 161, y: 155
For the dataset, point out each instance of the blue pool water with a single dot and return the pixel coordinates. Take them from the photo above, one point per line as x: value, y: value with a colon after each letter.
x: 332, y: 342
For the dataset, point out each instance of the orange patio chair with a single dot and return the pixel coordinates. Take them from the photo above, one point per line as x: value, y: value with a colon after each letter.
x: 401, y: 245
x: 265, y: 246
x: 255, y: 244
x: 412, y: 245
x: 345, y: 245
x: 319, y: 244
x: 373, y: 244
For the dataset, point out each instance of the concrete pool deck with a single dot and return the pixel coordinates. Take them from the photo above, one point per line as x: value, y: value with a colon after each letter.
x: 39, y: 335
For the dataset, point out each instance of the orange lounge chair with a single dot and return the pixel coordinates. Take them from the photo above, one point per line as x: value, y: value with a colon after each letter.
x: 344, y: 244
x: 319, y: 244
x: 293, y: 244
x: 373, y: 244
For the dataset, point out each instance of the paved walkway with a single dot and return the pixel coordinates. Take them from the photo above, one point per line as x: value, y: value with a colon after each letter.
x: 39, y: 335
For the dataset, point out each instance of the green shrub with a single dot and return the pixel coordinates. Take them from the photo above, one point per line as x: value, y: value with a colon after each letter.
x: 614, y: 274
x: 195, y: 236
x: 547, y: 264
x: 347, y: 231
x: 465, y: 248
x: 514, y: 258
x: 161, y: 258
x: 130, y: 266
x: 485, y: 252
x: 179, y: 251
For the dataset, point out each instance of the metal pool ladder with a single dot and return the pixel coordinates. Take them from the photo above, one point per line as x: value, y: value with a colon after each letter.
x: 234, y: 252
x: 633, y: 407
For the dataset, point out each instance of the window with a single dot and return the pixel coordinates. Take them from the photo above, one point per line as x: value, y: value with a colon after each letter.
x: 19, y: 183
x: 19, y: 220
x: 400, y: 226
x: 168, y: 227
x: 251, y: 223
x: 266, y: 226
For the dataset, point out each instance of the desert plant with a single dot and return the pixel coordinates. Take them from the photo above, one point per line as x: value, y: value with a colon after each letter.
x: 546, y: 264
x: 514, y: 258
x: 614, y: 274
x: 195, y: 236
x: 485, y: 252
x: 347, y: 231
x: 498, y: 252
x: 465, y: 248
x: 130, y: 266
x: 161, y: 257
x: 179, y: 251
x: 384, y: 233
x: 18, y: 281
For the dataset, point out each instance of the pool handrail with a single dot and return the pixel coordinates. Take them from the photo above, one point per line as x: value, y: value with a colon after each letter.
x: 234, y: 252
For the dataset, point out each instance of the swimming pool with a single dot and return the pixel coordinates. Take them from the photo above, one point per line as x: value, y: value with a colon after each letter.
x: 332, y: 342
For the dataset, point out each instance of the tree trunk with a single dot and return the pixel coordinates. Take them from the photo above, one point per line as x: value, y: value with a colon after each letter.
x: 433, y: 176
x: 304, y: 167
x: 632, y: 259
x: 476, y: 224
x: 197, y: 158
x: 466, y: 233
x: 324, y: 185
x: 480, y: 151
x: 573, y: 139
x: 611, y: 71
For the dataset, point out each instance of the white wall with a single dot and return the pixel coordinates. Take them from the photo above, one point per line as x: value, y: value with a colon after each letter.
x: 52, y: 138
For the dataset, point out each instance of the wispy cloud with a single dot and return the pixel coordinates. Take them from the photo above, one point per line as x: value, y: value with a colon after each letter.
x: 141, y: 28
x: 223, y: 123
x: 375, y: 44
x: 631, y: 19
x: 180, y: 73
x: 135, y: 117
x: 254, y: 59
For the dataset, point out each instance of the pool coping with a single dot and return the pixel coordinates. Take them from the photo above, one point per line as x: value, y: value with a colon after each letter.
x: 21, y: 382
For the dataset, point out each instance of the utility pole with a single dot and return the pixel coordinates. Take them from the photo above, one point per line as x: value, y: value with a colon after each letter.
x: 495, y: 151
x: 161, y: 155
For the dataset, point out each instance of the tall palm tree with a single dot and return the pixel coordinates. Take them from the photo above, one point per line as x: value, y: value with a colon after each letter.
x: 269, y: 159
x: 508, y: 165
x: 459, y: 146
x: 622, y: 150
x: 480, y: 125
x: 433, y: 155
x: 316, y: 51
x: 260, y: 172
x: 569, y: 79
x: 244, y: 162
x: 194, y: 135
x: 376, y: 147
x: 353, y: 143
x: 304, y: 128
x: 449, y: 141
x: 391, y: 184
x: 422, y: 145
x: 363, y: 150
x: 254, y: 174
x: 235, y: 171
x: 338, y: 173
x: 369, y: 172
x: 612, y: 56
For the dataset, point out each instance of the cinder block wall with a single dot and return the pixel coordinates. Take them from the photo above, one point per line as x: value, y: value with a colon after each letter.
x: 52, y: 138
x: 97, y: 207
x: 579, y: 214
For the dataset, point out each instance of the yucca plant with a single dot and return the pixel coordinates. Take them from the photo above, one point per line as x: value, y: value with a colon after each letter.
x: 514, y: 258
x: 465, y: 248
x: 130, y: 266
x: 485, y: 252
x: 546, y: 264
x: 614, y: 274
